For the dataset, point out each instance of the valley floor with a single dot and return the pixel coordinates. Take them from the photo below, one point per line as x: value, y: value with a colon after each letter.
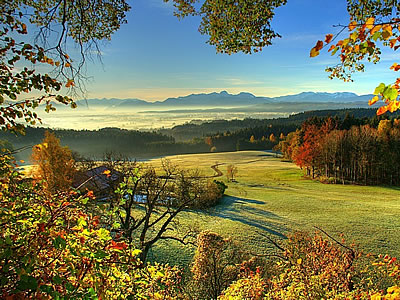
x: 271, y: 197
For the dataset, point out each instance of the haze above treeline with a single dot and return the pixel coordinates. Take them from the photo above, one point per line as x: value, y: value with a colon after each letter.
x: 136, y: 114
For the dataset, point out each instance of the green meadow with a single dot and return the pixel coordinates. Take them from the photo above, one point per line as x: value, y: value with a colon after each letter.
x: 272, y: 198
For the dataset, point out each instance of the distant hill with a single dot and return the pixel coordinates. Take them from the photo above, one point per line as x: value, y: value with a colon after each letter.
x: 224, y: 99
x: 343, y: 97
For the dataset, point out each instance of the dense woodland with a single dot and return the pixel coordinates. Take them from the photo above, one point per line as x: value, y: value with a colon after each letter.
x: 346, y: 151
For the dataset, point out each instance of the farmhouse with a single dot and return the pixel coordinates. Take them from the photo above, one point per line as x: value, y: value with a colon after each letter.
x: 100, y: 180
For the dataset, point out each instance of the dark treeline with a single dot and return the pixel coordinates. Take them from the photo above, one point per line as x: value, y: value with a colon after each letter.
x: 257, y: 138
x: 95, y: 143
x: 191, y: 130
x: 347, y: 151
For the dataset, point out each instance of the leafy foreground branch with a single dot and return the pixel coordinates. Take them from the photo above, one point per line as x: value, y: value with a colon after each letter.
x: 53, y: 246
x: 373, y: 26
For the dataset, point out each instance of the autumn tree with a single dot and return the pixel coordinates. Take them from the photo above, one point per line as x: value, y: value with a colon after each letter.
x: 272, y: 138
x: 231, y: 172
x: 215, y: 265
x: 361, y: 154
x: 55, y: 165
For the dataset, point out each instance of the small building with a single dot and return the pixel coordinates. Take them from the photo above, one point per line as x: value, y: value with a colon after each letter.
x: 101, y: 180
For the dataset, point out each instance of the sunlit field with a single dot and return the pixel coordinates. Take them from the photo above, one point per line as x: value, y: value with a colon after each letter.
x: 272, y: 197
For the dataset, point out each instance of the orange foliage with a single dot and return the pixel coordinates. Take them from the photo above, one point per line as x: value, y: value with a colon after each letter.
x: 55, y: 165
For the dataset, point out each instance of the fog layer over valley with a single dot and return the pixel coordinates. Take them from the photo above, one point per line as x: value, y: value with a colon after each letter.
x: 138, y: 114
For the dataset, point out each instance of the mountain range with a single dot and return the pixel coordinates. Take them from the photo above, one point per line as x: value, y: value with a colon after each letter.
x: 224, y: 99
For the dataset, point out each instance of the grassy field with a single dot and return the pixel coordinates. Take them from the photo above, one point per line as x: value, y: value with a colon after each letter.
x: 271, y: 197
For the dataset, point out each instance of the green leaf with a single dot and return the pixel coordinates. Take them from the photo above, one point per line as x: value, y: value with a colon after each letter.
x: 116, y: 225
x: 390, y: 93
x: 103, y: 234
x: 59, y: 243
x: 376, y: 36
x: 27, y: 283
x: 57, y: 279
x: 82, y: 222
x: 92, y: 292
x: 47, y: 289
x: 8, y: 240
x: 69, y: 287
x: 379, y: 89
x: 100, y: 254
x: 85, y: 200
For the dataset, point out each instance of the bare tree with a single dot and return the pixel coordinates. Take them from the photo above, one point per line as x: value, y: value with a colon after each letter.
x: 148, y: 202
x: 231, y: 172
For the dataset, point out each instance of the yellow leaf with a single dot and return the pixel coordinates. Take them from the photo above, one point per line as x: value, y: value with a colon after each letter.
x: 299, y: 261
x: 375, y: 29
x: 370, y: 23
x: 373, y: 100
x: 393, y: 106
x: 376, y: 297
x: 314, y: 52
x: 352, y: 25
x: 395, y: 67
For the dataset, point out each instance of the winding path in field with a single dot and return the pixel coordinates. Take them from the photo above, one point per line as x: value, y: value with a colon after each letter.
x: 218, y: 171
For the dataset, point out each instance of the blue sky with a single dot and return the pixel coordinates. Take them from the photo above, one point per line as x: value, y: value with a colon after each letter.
x: 156, y: 56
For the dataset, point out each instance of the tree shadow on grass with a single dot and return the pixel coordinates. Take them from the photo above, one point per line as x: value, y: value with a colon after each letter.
x: 243, y: 210
x: 395, y: 188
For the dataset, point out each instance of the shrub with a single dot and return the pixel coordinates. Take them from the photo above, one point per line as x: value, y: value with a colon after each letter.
x: 211, y: 193
x: 252, y: 287
x: 215, y: 265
